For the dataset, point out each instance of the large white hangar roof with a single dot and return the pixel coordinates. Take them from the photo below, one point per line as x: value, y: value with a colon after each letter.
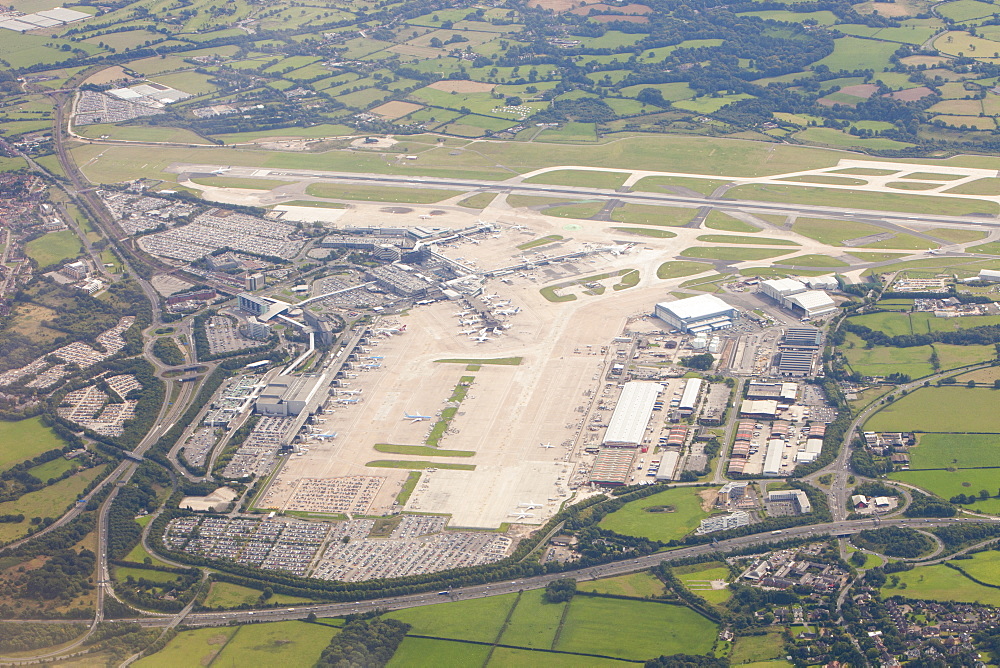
x: 697, y: 307
x: 632, y: 412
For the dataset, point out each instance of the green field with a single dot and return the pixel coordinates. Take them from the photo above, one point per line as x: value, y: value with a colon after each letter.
x: 812, y: 261
x: 190, y: 648
x: 697, y: 578
x: 52, y: 469
x: 736, y: 239
x: 506, y: 657
x: 49, y: 501
x: 946, y: 484
x: 380, y: 194
x: 717, y: 220
x: 429, y: 653
x: 54, y: 247
x: 644, y: 214
x: 892, y: 324
x: 860, y: 199
x: 957, y: 235
x: 653, y: 629
x: 732, y: 253
x: 637, y: 585
x: 645, y: 232
x: 291, y: 643
x: 25, y: 439
x: 477, y: 619
x: 752, y: 649
x: 534, y: 622
x: 681, y: 268
x: 540, y: 241
x: 252, y: 184
x: 940, y: 583
x: 228, y: 595
x: 634, y: 520
x: 659, y: 184
x: 939, y: 409
x: 581, y: 178
x: 421, y: 450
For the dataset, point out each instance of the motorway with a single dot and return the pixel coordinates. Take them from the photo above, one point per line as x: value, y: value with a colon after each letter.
x: 538, y: 189
x: 539, y: 581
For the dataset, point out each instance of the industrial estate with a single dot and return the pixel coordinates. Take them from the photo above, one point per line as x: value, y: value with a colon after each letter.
x: 429, y: 334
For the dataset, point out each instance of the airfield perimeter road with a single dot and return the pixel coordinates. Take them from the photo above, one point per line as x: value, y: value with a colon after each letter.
x: 539, y: 581
x: 750, y: 206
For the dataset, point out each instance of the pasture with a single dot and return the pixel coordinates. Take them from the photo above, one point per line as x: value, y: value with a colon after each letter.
x: 752, y: 649
x: 882, y: 361
x: 432, y: 653
x: 698, y: 578
x: 25, y: 439
x: 939, y: 409
x: 49, y: 501
x: 534, y: 621
x: 939, y: 451
x: 653, y: 629
x: 940, y: 583
x: 53, y: 247
x: 669, y: 515
x: 197, y: 647
x: 475, y: 619
x: 636, y: 585
x: 291, y: 643
x: 949, y: 483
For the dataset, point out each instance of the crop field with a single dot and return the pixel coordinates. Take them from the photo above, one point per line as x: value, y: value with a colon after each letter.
x: 938, y: 451
x: 654, y: 629
x: 636, y: 585
x: 680, y: 511
x: 475, y: 619
x: 197, y: 647
x: 25, y: 439
x: 433, y: 653
x: 940, y: 583
x: 939, y: 409
x: 290, y: 643
x: 54, y: 247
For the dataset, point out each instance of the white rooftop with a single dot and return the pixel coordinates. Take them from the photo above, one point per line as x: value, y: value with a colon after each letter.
x: 632, y: 412
x: 784, y: 284
x: 14, y: 24
x: 812, y: 299
x: 700, y: 306
x: 39, y: 21
x: 64, y: 15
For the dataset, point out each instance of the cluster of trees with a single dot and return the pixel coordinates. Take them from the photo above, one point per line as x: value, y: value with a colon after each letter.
x: 166, y: 350
x: 21, y: 637
x: 703, y: 362
x: 894, y: 542
x: 922, y: 505
x: 686, y: 661
x: 364, y: 642
x: 560, y: 591
x: 973, y: 336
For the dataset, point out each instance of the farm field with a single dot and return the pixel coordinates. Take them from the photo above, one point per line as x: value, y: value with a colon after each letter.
x: 433, y: 653
x: 962, y: 451
x: 291, y: 643
x: 754, y: 649
x: 637, y: 585
x: 197, y: 647
x: 654, y: 629
x: 49, y: 501
x: 938, y: 409
x: 940, y: 583
x: 636, y: 519
x: 949, y: 483
x: 534, y: 622
x: 25, y: 439
x: 476, y: 619
x: 697, y: 578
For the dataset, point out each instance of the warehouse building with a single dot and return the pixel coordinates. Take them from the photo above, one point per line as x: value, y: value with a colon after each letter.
x: 612, y: 466
x: 784, y: 392
x: 828, y: 282
x: 989, y: 276
x: 702, y: 313
x: 689, y: 399
x: 772, y: 460
x: 668, y: 465
x: 810, y: 304
x: 780, y: 288
x: 764, y: 409
x: 632, y: 412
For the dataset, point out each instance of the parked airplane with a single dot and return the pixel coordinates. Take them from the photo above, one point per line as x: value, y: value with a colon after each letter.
x: 416, y: 418
x: 424, y: 217
x: 375, y: 357
x: 349, y: 391
x: 348, y: 401
x: 546, y: 445
x: 530, y: 505
x: 509, y: 311
x: 466, y: 323
x: 470, y: 332
x: 521, y: 516
x: 518, y: 227
x: 482, y: 339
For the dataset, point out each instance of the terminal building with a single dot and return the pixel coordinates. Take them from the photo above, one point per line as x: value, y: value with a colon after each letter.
x: 628, y: 423
x: 702, y: 313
